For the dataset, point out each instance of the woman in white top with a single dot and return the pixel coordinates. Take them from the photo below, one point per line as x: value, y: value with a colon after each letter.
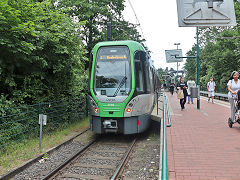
x: 191, y: 83
x: 233, y: 87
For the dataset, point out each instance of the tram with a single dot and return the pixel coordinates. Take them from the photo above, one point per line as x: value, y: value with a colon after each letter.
x: 122, y: 88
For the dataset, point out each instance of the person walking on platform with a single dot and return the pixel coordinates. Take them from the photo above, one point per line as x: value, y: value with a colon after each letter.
x: 171, y: 88
x: 190, y: 83
x: 182, y: 85
x: 233, y: 87
x: 211, y: 88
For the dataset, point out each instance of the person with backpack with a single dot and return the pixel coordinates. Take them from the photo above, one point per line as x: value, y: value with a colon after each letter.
x: 211, y: 89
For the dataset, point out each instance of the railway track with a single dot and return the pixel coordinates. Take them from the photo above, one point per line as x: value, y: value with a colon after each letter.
x: 34, y: 169
x: 100, y: 159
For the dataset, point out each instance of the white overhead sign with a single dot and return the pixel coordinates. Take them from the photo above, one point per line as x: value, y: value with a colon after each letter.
x: 194, y: 13
x: 174, y: 55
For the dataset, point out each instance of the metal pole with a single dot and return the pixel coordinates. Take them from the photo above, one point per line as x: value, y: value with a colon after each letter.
x: 198, y: 75
x: 109, y: 31
x: 177, y: 69
x: 40, y: 136
x: 157, y: 103
x: 86, y: 106
x: 40, y: 131
x: 177, y: 62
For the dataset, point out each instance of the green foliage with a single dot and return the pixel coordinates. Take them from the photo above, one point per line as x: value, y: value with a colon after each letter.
x: 20, y: 152
x: 44, y: 50
x: 219, y: 54
x: 165, y: 75
x: 42, y: 59
x: 21, y: 123
x: 45, y: 156
x: 96, y: 14
x: 41, y: 52
x: 45, y: 45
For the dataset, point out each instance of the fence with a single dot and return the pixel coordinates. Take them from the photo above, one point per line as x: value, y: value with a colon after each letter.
x: 21, y: 123
x: 165, y: 114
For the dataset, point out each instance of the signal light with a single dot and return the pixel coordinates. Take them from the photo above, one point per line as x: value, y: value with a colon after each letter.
x: 129, y: 110
x: 91, y: 121
x: 96, y: 110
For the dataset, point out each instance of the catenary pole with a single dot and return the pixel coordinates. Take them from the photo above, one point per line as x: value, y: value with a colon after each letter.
x: 177, y: 44
x: 198, y: 75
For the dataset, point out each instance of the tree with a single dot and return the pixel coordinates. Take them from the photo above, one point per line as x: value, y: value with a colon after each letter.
x: 96, y: 14
x: 40, y: 51
x: 219, y: 54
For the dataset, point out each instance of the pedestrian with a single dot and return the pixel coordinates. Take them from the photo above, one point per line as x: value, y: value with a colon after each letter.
x: 211, y: 89
x: 190, y: 83
x: 164, y: 85
x: 171, y: 88
x: 233, y: 88
x: 183, y: 86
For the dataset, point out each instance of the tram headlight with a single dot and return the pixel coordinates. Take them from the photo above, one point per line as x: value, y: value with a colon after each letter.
x: 93, y: 107
x: 129, y: 110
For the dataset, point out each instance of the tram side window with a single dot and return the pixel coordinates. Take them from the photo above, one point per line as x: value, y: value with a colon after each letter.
x: 154, y: 80
x: 139, y: 76
x: 151, y: 79
x: 139, y: 81
x: 147, y: 77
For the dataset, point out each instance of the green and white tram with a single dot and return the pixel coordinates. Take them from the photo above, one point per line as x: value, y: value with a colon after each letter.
x: 122, y: 86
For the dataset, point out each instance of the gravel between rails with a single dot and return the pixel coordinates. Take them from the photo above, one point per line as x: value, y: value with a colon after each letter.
x: 99, y: 161
x: 39, y: 169
x: 143, y: 162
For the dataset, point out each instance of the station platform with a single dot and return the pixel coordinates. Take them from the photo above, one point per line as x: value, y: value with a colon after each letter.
x: 200, y: 145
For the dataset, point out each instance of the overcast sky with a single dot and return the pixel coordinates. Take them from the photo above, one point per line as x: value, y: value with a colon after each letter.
x: 159, y: 22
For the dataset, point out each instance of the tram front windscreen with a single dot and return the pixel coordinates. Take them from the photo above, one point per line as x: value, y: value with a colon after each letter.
x: 112, y: 71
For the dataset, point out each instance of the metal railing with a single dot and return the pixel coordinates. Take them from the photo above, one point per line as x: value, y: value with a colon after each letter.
x: 168, y: 113
x: 165, y: 111
x: 19, y: 124
x: 219, y: 96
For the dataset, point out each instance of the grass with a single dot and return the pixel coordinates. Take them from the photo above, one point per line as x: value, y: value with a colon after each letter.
x: 18, y: 153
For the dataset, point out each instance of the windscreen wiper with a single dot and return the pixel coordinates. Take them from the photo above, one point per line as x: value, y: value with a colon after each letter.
x: 123, y: 81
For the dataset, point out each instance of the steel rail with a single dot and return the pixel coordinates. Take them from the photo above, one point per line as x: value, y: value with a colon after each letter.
x: 62, y: 165
x: 119, y: 168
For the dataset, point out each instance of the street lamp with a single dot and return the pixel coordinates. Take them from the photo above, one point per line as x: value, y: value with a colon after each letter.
x: 177, y: 44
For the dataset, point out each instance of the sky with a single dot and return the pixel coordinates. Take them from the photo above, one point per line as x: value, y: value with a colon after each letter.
x: 159, y: 23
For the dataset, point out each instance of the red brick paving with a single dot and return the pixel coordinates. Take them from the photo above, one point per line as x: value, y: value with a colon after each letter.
x: 200, y: 144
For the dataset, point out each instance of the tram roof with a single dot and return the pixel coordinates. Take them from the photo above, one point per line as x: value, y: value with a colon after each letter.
x: 133, y: 45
